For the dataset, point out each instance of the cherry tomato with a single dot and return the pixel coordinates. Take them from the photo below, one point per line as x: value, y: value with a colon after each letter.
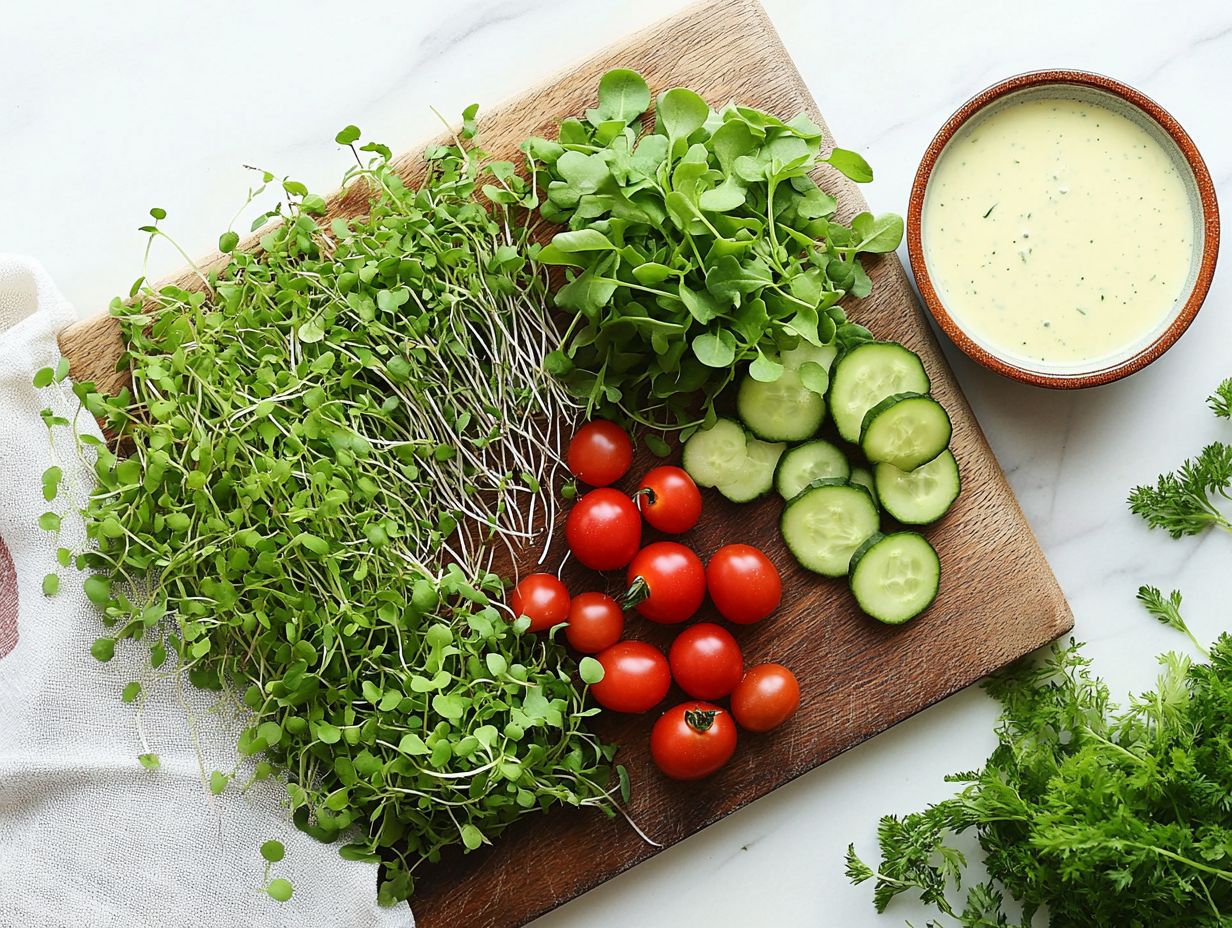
x: 596, y: 621
x: 543, y: 598
x: 604, y: 529
x: 706, y: 661
x: 743, y: 583
x: 635, y: 677
x: 692, y: 740
x: 669, y: 500
x: 599, y: 453
x: 667, y: 582
x: 765, y: 698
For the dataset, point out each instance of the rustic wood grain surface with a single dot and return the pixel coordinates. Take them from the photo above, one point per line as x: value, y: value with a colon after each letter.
x: 998, y: 599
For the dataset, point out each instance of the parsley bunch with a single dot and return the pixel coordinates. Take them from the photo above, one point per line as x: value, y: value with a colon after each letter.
x: 1103, y: 817
x: 693, y: 248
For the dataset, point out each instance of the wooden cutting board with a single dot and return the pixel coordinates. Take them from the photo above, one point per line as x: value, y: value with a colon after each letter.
x: 998, y: 600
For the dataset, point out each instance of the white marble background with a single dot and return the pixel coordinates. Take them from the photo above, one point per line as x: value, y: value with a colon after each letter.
x: 108, y: 109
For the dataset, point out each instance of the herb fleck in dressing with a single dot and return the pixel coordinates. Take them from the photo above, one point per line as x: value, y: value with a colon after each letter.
x: 1057, y: 231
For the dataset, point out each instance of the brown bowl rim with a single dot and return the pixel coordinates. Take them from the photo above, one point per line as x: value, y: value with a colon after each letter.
x: 1210, y: 224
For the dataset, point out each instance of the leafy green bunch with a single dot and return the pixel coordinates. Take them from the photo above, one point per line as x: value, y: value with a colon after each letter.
x: 693, y: 248
x: 1103, y: 817
x: 320, y: 445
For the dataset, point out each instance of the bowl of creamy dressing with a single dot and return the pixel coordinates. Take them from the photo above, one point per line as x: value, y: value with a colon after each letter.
x: 1063, y: 229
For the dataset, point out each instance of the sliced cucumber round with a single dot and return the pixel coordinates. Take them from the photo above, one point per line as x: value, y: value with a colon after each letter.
x: 861, y: 476
x: 826, y: 523
x: 866, y: 375
x: 808, y: 462
x: 715, y: 454
x: 906, y: 430
x: 920, y: 496
x: 756, y: 475
x: 783, y: 410
x: 895, y: 577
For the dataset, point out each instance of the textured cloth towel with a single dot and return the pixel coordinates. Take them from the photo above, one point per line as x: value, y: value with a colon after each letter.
x: 88, y: 837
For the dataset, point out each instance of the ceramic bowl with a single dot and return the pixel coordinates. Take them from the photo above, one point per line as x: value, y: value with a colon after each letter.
x: 1122, y: 99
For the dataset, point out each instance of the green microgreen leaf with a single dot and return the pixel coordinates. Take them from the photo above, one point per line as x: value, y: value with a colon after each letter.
x: 273, y: 851
x: 280, y: 890
x: 590, y: 671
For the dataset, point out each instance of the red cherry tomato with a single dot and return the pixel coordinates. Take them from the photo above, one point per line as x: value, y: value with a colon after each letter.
x: 765, y: 698
x: 692, y: 740
x: 667, y: 582
x: 743, y: 583
x: 543, y: 598
x: 604, y: 529
x: 635, y: 677
x: 669, y: 500
x: 599, y: 453
x: 596, y: 621
x: 706, y: 661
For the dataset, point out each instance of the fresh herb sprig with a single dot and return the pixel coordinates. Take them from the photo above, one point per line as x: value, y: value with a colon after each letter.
x: 321, y: 446
x: 1220, y: 401
x: 1167, y: 610
x: 693, y: 248
x: 1181, y: 501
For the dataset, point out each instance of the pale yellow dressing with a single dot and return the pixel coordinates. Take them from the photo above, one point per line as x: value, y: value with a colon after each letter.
x: 1058, y: 231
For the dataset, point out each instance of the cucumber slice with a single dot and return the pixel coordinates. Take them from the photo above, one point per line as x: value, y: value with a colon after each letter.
x: 756, y: 474
x: 866, y: 375
x: 863, y: 477
x: 808, y: 462
x: 715, y: 454
x: 895, y: 577
x: 785, y: 410
x: 920, y: 496
x: 795, y: 358
x: 826, y: 523
x: 906, y: 430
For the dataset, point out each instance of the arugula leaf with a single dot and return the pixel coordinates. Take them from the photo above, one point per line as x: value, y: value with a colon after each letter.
x: 623, y: 95
x: 877, y: 234
x: 851, y: 164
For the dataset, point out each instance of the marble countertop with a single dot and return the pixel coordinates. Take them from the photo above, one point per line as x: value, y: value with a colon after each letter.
x: 108, y: 110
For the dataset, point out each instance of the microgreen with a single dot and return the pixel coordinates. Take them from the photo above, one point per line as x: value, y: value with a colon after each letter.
x: 693, y: 248
x: 322, y: 444
x: 279, y: 890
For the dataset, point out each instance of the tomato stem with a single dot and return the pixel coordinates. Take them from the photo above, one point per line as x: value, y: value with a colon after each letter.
x: 639, y: 591
x: 646, y: 492
x: 700, y: 720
